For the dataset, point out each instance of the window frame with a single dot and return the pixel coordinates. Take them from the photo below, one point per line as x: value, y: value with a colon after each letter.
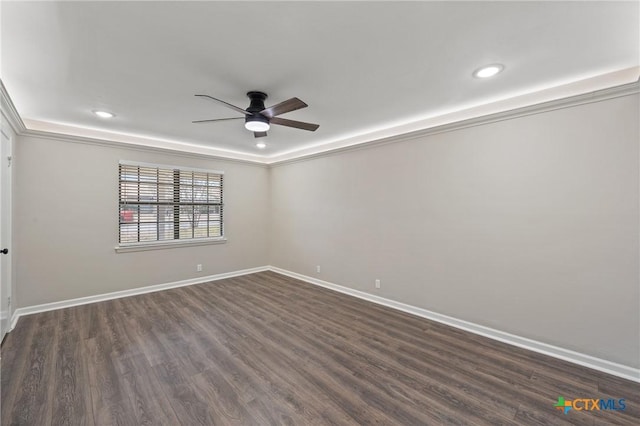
x: 173, y: 243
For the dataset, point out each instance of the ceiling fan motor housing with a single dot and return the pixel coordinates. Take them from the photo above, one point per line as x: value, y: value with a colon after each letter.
x: 257, y: 101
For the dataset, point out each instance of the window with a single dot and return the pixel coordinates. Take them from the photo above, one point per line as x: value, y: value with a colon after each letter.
x: 169, y: 204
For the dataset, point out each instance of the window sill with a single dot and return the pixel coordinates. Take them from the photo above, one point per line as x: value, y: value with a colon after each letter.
x: 125, y: 248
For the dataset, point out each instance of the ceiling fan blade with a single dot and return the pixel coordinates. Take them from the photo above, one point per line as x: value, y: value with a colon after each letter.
x: 259, y: 134
x: 218, y: 119
x: 240, y: 110
x: 286, y: 106
x: 293, y: 123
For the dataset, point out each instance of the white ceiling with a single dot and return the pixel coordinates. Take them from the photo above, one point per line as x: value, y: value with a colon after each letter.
x: 362, y: 67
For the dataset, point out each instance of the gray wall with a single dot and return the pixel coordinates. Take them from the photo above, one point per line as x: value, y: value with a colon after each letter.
x: 528, y: 225
x: 66, y: 223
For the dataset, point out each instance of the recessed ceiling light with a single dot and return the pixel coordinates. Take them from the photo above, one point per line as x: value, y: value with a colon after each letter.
x: 104, y: 114
x: 261, y: 145
x: 488, y: 71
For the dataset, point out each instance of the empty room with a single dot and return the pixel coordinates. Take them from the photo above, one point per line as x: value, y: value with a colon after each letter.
x: 319, y: 213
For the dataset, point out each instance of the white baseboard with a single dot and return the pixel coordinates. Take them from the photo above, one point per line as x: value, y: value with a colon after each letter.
x: 589, y: 361
x: 125, y: 293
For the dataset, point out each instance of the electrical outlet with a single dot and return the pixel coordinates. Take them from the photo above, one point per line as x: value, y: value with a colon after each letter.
x: 377, y: 283
x: 199, y: 267
x: 318, y: 269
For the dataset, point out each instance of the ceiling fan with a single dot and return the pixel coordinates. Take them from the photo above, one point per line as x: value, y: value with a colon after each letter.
x: 258, y: 119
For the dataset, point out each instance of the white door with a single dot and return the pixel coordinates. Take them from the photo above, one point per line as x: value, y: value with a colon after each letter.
x: 5, y: 233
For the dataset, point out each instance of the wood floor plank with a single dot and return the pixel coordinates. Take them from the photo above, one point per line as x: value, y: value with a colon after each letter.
x: 263, y: 365
x: 389, y: 362
x: 262, y: 402
x: 364, y: 360
x: 190, y: 407
x: 265, y: 349
x: 224, y: 401
x: 72, y: 404
x: 15, y: 350
x: 148, y: 399
x: 344, y: 407
x: 109, y: 404
x: 32, y: 401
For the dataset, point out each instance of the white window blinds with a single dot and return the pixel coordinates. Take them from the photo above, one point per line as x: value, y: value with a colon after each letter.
x: 164, y: 203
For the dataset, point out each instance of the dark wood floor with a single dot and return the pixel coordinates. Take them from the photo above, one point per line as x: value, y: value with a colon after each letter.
x: 266, y: 349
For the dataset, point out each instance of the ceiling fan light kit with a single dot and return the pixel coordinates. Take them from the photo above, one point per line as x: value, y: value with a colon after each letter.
x: 258, y: 119
x: 256, y: 123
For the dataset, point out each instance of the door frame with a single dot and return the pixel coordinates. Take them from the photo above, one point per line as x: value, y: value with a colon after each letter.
x: 6, y: 193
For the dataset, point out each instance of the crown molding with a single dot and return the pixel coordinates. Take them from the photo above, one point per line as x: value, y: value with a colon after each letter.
x: 595, y: 89
x: 475, y: 120
x: 175, y: 151
x: 9, y: 111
